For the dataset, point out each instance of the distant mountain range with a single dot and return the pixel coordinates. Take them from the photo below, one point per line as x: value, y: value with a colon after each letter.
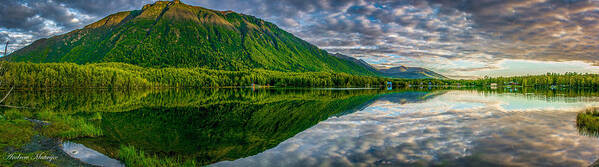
x: 173, y: 34
x: 395, y: 72
x: 410, y: 72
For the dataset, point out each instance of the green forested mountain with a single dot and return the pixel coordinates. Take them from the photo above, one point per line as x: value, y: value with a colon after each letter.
x: 173, y: 34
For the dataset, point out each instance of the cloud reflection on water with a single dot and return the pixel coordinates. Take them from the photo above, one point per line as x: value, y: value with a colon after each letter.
x: 458, y: 128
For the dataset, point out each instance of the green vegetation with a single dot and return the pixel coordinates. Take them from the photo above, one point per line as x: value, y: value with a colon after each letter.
x: 169, y: 34
x: 125, y: 76
x: 540, y: 92
x: 588, y: 122
x: 14, y: 114
x: 67, y: 126
x: 132, y: 157
x: 15, y: 133
x: 549, y: 80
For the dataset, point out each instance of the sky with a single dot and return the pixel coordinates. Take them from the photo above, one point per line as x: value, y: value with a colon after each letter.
x: 460, y: 39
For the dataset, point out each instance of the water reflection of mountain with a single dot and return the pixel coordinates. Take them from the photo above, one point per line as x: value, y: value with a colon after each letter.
x: 234, y: 126
x: 410, y: 96
x: 399, y: 97
x: 205, y: 125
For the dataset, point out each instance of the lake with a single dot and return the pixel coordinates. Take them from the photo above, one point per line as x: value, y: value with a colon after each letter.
x: 326, y: 127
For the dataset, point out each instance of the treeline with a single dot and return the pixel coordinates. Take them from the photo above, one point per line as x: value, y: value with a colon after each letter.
x: 549, y: 80
x: 30, y: 75
x: 121, y: 75
x: 126, y: 76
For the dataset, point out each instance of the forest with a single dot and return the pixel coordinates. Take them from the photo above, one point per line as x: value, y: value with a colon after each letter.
x: 126, y: 76
x: 549, y: 80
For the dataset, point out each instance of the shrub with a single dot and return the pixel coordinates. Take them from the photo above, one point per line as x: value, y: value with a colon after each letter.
x: 68, y: 126
x: 15, y: 133
x: 588, y: 122
x: 131, y: 157
x: 14, y: 114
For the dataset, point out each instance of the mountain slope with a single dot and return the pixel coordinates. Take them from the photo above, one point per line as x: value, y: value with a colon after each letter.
x: 360, y: 62
x: 395, y: 72
x: 410, y: 73
x: 173, y: 34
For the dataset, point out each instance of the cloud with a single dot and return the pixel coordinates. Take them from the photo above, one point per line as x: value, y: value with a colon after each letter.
x: 537, y: 29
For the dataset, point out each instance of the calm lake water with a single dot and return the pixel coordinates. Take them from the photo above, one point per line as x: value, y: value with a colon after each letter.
x: 286, y: 127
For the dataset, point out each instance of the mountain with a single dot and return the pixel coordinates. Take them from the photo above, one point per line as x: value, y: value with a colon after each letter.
x: 360, y: 62
x: 173, y: 34
x: 395, y: 72
x: 410, y: 73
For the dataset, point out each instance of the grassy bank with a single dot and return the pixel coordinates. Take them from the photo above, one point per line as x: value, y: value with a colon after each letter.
x: 15, y: 131
x: 588, y: 122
